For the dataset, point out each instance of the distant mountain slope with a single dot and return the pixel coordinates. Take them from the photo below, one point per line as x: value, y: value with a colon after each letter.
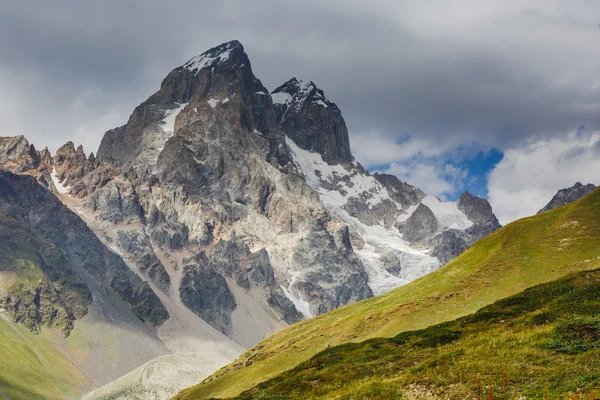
x: 568, y: 195
x: 525, y: 253
x: 543, y: 341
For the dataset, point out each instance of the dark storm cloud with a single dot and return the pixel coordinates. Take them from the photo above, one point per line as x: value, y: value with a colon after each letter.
x: 429, y: 71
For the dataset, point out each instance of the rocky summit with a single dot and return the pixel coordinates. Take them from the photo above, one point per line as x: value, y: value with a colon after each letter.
x: 568, y: 195
x: 221, y: 213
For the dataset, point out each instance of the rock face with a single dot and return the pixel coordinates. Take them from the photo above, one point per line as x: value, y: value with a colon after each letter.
x: 204, y: 291
x: 44, y: 245
x: 398, y: 232
x: 17, y: 155
x: 421, y: 225
x: 568, y: 195
x: 219, y: 78
x: 214, y: 183
x: 311, y: 121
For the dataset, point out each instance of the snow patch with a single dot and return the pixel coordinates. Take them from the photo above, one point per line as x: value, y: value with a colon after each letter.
x: 281, y: 98
x: 59, y: 187
x: 167, y: 125
x: 379, y: 240
x: 214, y: 102
x: 317, y: 171
x: 447, y: 213
x: 209, y: 59
x: 301, y: 305
x: 168, y: 122
x: 409, y: 211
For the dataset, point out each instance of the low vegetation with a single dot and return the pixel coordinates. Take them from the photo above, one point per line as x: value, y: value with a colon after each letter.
x: 526, y: 253
x: 541, y: 343
x: 31, y: 368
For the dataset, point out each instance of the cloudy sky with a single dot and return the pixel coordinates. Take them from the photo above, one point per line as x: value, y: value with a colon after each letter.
x: 499, y: 97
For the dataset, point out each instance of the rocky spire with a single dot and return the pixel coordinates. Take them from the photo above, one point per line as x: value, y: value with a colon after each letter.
x: 17, y: 155
x: 312, y: 121
x: 568, y: 195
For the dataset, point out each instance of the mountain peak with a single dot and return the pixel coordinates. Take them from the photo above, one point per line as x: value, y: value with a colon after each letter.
x: 216, y: 56
x: 313, y: 122
x: 17, y: 155
x: 568, y: 195
x: 294, y: 93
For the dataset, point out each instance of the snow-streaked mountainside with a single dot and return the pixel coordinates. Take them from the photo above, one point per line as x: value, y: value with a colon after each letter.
x: 374, y: 209
x: 242, y: 212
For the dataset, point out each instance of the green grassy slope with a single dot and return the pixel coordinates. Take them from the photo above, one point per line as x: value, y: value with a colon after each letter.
x: 543, y: 341
x: 31, y: 368
x: 520, y: 255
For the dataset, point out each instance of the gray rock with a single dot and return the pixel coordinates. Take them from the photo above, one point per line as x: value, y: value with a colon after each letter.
x: 312, y: 121
x: 17, y: 155
x: 259, y: 269
x: 72, y: 165
x: 138, y: 246
x: 479, y: 211
x: 115, y: 202
x: 568, y: 195
x: 452, y: 242
x: 401, y: 192
x: 204, y: 291
x: 343, y: 280
x: 420, y: 226
x: 284, y: 306
x: 385, y: 211
x: 205, y: 77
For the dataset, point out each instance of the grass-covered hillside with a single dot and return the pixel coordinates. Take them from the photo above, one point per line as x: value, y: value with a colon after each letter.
x: 523, y: 254
x: 541, y: 343
x: 31, y: 368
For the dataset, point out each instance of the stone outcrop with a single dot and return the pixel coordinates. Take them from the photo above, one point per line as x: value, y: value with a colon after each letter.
x: 420, y: 226
x: 17, y: 155
x: 568, y: 195
x: 401, y: 192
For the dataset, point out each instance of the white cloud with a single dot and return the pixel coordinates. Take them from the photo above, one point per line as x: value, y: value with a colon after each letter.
x: 48, y: 117
x: 375, y: 148
x: 431, y: 69
x: 439, y: 181
x: 526, y: 178
x: 425, y: 177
